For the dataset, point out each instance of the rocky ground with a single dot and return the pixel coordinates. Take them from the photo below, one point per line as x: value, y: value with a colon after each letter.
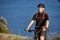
x: 13, y: 37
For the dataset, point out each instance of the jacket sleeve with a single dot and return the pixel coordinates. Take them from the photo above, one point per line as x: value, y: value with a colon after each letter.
x: 34, y: 17
x: 46, y: 17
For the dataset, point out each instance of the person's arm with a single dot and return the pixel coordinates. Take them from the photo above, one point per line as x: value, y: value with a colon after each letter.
x: 47, y: 23
x: 46, y: 26
x: 29, y: 25
x: 31, y: 22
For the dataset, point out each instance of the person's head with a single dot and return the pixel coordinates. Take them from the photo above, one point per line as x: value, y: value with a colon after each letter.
x: 41, y: 7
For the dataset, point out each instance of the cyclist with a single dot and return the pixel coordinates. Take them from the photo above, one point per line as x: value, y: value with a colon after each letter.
x: 42, y: 22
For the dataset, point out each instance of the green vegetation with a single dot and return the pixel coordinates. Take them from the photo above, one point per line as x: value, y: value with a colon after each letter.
x: 57, y: 38
x: 54, y: 37
x: 4, y: 30
x: 3, y: 24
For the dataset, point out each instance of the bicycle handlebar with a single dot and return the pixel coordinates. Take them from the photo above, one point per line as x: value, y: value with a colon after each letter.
x: 29, y: 30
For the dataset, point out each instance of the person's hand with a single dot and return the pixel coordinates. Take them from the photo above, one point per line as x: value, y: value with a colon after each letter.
x: 26, y: 30
x: 44, y: 29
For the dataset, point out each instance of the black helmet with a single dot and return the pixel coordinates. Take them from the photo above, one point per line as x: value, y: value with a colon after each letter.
x: 41, y: 5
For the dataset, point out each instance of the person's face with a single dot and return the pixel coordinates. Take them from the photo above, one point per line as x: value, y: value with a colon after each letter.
x: 41, y: 9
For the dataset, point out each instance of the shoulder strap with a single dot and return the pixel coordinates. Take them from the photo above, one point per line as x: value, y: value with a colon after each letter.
x: 44, y: 14
x: 37, y: 15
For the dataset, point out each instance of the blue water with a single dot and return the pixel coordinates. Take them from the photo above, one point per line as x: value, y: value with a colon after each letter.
x: 19, y: 13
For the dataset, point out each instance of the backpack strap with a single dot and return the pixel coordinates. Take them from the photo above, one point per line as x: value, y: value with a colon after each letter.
x: 36, y: 16
x: 43, y: 16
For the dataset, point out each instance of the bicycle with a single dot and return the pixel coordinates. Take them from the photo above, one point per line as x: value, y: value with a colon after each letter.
x: 36, y: 38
